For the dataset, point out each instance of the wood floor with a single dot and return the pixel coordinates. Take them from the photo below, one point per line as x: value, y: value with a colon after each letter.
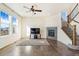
x: 54, y: 49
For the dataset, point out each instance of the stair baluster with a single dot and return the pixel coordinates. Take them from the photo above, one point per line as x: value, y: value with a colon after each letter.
x: 69, y: 29
x: 74, y: 35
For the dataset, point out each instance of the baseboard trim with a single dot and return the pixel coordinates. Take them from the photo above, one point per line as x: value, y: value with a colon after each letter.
x: 8, y: 45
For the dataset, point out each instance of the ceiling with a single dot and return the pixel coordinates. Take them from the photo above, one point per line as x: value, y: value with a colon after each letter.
x: 47, y: 8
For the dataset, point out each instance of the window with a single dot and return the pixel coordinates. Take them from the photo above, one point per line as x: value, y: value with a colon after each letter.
x: 64, y: 15
x: 4, y: 23
x: 7, y: 24
x: 14, y: 23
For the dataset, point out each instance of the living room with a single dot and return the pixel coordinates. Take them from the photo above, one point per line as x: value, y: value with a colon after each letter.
x: 47, y: 21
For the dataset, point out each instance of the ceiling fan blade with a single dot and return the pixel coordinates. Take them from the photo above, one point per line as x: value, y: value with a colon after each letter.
x: 38, y: 10
x: 26, y: 7
x: 28, y: 11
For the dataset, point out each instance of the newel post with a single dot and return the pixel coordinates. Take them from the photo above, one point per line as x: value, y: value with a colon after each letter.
x: 68, y: 20
x: 74, y: 35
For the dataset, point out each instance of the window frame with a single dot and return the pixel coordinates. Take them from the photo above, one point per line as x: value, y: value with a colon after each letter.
x: 10, y: 23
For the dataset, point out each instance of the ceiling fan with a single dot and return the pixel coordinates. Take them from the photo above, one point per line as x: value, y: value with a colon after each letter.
x: 32, y: 9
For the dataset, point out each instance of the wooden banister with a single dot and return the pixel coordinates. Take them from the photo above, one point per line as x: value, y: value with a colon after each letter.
x: 75, y: 16
x: 74, y: 35
x: 69, y: 29
x: 76, y: 21
x: 69, y: 18
x: 73, y: 9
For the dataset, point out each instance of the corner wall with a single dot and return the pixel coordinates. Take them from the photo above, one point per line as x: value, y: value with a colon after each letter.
x: 9, y: 39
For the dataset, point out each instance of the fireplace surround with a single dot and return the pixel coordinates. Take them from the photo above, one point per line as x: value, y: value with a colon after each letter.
x: 52, y: 33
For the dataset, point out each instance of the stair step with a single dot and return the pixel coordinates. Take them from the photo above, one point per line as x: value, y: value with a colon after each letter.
x: 73, y: 47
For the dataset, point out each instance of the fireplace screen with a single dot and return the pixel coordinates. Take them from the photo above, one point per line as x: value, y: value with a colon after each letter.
x: 51, y: 33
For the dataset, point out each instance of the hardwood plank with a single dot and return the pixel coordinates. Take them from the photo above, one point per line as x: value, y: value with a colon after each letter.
x: 54, y: 49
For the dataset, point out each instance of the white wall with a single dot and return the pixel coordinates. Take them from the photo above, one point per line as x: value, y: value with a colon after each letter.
x: 30, y: 22
x: 62, y: 37
x: 8, y: 39
x: 43, y: 23
x: 39, y: 22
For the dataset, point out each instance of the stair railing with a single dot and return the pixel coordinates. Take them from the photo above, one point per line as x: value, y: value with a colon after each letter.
x: 72, y: 33
x: 69, y: 29
x: 73, y: 9
x: 70, y: 17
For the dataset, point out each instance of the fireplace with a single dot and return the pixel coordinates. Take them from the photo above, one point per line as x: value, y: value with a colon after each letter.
x: 35, y: 33
x: 52, y: 32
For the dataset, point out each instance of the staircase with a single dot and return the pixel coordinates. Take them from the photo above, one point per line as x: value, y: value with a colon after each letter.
x: 69, y: 29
